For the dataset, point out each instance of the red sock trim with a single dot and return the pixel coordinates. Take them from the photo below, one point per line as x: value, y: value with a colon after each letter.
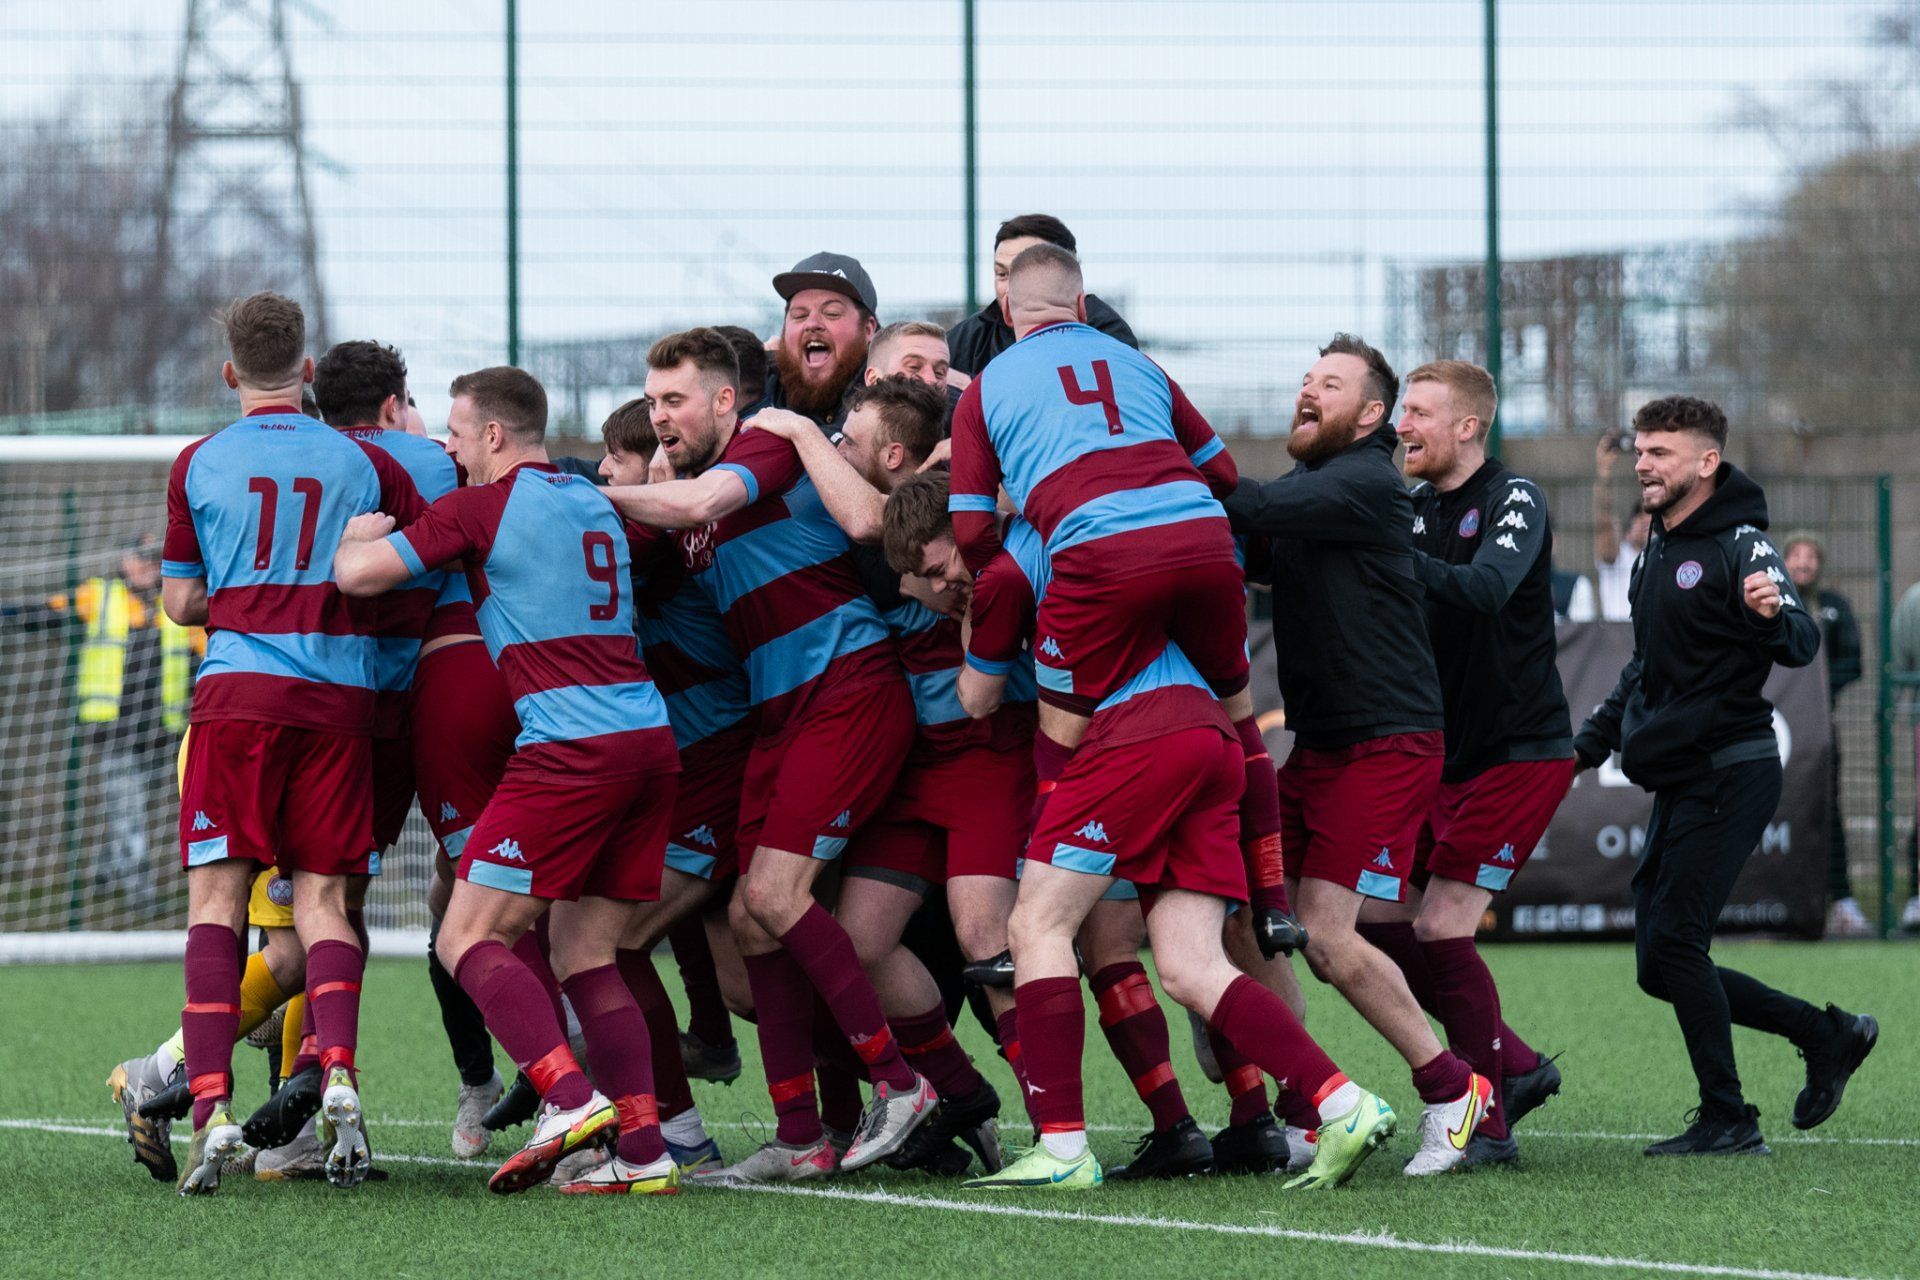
x: 1243, y: 1079
x: 551, y: 1069
x: 337, y: 1056
x: 1129, y: 995
x: 874, y: 1047
x: 1155, y: 1078
x: 331, y: 988
x: 1011, y: 1051
x: 210, y: 1007
x: 1325, y: 1091
x: 1055, y: 1126
x: 637, y: 1111
x: 934, y: 1045
x: 1265, y: 861
x: 214, y: 1084
x: 788, y: 1090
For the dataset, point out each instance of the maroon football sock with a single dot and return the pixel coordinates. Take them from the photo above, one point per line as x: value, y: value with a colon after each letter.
x: 530, y: 949
x: 309, y: 1055
x: 1517, y: 1057
x: 1049, y: 762
x: 784, y: 1002
x: 1258, y: 1023
x: 1402, y: 946
x: 1136, y: 1030
x: 1470, y: 1011
x: 334, y: 972
x: 1008, y: 1027
x: 520, y: 1016
x: 1053, y: 1038
x: 1443, y: 1079
x: 928, y: 1043
x: 622, y: 1062
x: 837, y: 1072
x: 825, y: 953
x: 1296, y: 1109
x: 1246, y: 1086
x: 707, y: 1016
x: 210, y: 1022
x: 670, y: 1086
x: 1260, y: 822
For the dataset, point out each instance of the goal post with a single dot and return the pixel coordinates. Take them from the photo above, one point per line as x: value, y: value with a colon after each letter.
x: 89, y: 853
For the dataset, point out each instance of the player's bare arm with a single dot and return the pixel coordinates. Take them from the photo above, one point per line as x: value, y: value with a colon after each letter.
x: 185, y: 600
x: 365, y: 565
x: 980, y: 693
x: 682, y: 504
x: 852, y: 502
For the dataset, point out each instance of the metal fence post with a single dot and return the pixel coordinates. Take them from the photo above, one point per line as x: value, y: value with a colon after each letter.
x: 71, y: 801
x: 1883, y: 540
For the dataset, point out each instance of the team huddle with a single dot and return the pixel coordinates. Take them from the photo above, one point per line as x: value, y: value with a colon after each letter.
x: 888, y: 692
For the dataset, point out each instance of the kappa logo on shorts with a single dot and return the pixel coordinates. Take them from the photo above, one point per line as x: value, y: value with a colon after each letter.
x: 1383, y: 859
x: 703, y: 834
x: 1470, y: 523
x: 1505, y: 854
x: 844, y: 821
x: 447, y: 812
x: 1049, y: 647
x: 1688, y: 575
x: 1094, y: 831
x: 201, y: 822
x: 508, y: 851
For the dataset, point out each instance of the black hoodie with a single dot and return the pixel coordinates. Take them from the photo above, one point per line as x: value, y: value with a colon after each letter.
x: 985, y: 334
x: 1689, y: 700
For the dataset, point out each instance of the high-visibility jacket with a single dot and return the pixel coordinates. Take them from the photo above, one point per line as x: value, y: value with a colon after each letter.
x: 111, y: 612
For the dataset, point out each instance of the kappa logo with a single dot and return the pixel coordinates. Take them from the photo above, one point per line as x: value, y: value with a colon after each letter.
x: 1383, y: 859
x: 1512, y: 520
x: 844, y: 820
x: 1517, y: 494
x: 447, y: 812
x: 1688, y: 575
x: 1419, y: 524
x: 1505, y: 854
x: 1506, y: 540
x: 1470, y: 523
x: 1745, y: 529
x: 1094, y: 831
x: 1776, y: 577
x: 703, y: 834
x: 201, y: 822
x: 508, y: 851
x: 1050, y: 648
x: 1761, y: 550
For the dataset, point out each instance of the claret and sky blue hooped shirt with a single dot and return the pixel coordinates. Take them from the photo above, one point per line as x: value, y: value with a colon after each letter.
x: 257, y: 509
x: 683, y: 641
x: 547, y: 562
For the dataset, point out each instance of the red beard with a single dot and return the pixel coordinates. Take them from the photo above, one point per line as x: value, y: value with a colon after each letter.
x: 1331, y: 438
x: 817, y: 392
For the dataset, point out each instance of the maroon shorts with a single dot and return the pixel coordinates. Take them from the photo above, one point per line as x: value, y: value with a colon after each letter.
x: 980, y: 799
x: 392, y: 792
x: 1352, y: 816
x: 706, y: 816
x: 1163, y: 812
x: 299, y: 799
x: 1483, y: 830
x: 912, y: 855
x: 1097, y: 633
x: 602, y: 839
x: 811, y: 788
x: 463, y: 731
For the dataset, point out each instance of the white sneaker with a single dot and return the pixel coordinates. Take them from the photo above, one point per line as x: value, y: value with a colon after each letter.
x: 1910, y: 917
x: 1446, y: 1127
x: 297, y: 1161
x: 343, y: 1131
x: 1846, y: 920
x: 891, y: 1116
x: 213, y: 1145
x: 555, y: 1133
x: 471, y: 1136
x: 612, y: 1176
x: 773, y: 1162
x: 1302, y: 1145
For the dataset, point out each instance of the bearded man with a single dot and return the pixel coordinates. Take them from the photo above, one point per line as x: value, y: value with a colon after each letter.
x: 822, y: 350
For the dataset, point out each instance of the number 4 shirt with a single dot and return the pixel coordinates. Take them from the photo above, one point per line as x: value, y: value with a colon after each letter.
x: 257, y: 509
x: 547, y: 561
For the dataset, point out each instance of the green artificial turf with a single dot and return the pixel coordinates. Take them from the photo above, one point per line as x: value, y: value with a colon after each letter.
x: 1838, y: 1202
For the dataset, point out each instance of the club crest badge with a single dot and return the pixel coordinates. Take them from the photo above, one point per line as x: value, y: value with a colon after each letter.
x: 1470, y: 523
x: 1688, y: 575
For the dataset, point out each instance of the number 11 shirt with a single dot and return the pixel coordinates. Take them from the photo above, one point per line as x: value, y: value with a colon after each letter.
x: 547, y: 561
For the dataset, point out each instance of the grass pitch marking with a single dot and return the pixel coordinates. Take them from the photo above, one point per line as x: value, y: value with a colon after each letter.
x: 1355, y: 1239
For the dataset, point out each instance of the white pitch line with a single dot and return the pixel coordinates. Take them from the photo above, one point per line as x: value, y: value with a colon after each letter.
x: 1356, y: 1239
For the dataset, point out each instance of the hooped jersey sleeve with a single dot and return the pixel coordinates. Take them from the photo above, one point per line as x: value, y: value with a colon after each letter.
x: 460, y: 526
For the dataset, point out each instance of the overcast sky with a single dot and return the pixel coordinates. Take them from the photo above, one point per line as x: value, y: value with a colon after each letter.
x: 1239, y: 174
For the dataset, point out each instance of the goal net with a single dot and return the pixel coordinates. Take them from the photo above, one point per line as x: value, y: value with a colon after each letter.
x: 89, y: 850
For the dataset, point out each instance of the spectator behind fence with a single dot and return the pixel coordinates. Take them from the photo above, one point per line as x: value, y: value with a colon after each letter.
x: 1617, y: 543
x: 1806, y: 556
x: 1573, y: 599
x: 1906, y: 662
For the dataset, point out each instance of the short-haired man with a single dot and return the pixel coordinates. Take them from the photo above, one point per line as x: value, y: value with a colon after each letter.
x: 750, y: 354
x: 1806, y: 558
x: 824, y: 338
x: 1335, y: 538
x: 1483, y: 548
x: 578, y: 822
x: 278, y: 768
x: 826, y: 688
x: 1713, y: 611
x: 986, y: 333
x: 916, y: 348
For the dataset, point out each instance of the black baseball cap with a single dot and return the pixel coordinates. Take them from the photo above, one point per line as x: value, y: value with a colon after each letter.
x: 835, y: 271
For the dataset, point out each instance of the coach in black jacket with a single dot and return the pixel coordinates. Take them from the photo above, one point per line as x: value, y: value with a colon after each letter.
x: 1335, y: 537
x: 1713, y: 610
